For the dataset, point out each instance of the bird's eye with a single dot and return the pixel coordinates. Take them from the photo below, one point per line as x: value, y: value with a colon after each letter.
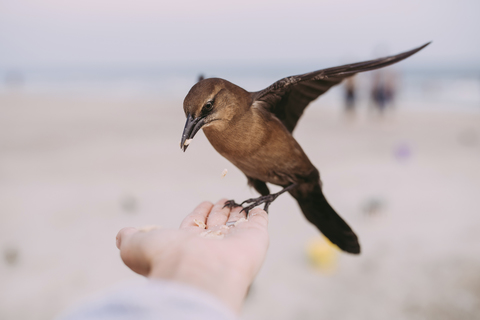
x: 208, y: 106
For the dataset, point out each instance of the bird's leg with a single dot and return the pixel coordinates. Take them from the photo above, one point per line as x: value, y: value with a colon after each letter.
x: 259, y: 185
x: 268, y: 199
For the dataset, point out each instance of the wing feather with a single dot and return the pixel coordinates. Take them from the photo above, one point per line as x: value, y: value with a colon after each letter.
x: 288, y: 97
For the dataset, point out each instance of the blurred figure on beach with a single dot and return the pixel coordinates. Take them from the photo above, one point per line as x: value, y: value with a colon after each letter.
x: 383, y: 90
x: 350, y: 96
x: 14, y: 79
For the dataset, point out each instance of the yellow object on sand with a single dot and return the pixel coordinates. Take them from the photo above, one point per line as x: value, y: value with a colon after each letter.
x: 323, y: 254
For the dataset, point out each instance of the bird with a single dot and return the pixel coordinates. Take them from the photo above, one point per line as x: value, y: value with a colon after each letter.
x: 253, y: 130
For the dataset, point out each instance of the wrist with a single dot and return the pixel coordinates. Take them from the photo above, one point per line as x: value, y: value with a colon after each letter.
x: 226, y: 282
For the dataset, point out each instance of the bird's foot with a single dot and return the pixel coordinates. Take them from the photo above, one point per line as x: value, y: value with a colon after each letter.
x: 231, y: 204
x: 267, y: 200
x: 254, y: 202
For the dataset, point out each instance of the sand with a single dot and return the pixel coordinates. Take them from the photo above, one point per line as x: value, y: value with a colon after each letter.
x: 74, y: 171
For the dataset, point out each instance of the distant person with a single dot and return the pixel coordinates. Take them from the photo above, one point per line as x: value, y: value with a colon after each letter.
x: 200, y: 271
x: 383, y: 90
x: 350, y: 95
x: 379, y: 93
x: 390, y: 87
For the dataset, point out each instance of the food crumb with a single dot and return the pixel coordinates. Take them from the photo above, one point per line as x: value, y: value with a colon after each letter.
x: 212, y: 234
x: 224, y: 173
x: 240, y: 221
x: 199, y: 223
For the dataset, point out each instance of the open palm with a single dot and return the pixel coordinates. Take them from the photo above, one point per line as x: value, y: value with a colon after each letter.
x: 203, y: 251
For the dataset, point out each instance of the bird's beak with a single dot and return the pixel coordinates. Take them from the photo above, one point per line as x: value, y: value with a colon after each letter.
x: 191, y: 128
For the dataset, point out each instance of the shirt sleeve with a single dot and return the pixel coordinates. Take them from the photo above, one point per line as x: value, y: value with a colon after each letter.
x: 154, y: 299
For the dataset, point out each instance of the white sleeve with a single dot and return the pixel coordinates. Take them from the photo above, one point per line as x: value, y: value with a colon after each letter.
x: 155, y: 299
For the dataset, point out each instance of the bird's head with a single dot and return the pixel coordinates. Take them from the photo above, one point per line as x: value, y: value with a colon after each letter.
x: 211, y: 103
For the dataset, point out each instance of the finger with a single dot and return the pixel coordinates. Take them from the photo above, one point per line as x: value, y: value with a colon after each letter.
x: 252, y: 231
x: 257, y: 218
x: 236, y: 215
x: 131, y: 251
x: 200, y: 213
x: 219, y: 214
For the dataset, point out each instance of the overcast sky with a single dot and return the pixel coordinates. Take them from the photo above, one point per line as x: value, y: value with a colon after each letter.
x: 147, y: 32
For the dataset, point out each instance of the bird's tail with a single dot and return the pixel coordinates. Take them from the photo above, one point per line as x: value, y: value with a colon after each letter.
x: 319, y: 212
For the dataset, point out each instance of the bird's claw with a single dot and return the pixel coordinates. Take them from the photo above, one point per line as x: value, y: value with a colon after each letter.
x: 231, y: 204
x: 249, y: 201
x: 267, y: 200
x: 254, y: 202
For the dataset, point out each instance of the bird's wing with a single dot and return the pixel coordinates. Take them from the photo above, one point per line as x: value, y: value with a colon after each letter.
x: 288, y: 97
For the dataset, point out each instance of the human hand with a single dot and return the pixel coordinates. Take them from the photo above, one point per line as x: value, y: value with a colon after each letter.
x: 219, y: 259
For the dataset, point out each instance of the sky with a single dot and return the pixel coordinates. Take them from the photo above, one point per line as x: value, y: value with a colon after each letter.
x: 52, y: 33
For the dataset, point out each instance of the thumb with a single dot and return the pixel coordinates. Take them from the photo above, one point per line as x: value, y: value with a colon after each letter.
x: 129, y: 241
x: 124, y: 234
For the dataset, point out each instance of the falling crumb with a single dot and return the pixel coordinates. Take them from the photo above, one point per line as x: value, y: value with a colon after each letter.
x: 187, y: 142
x: 240, y: 221
x: 148, y: 228
x: 199, y: 223
x: 224, y: 173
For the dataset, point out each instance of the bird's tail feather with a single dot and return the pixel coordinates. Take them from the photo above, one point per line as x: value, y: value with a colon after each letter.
x: 318, y: 211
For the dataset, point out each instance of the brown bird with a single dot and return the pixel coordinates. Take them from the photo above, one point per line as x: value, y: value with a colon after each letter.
x: 253, y: 130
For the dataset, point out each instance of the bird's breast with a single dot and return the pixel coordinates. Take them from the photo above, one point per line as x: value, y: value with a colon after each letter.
x: 268, y: 152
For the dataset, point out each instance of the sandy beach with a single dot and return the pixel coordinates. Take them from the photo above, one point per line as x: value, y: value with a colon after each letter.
x: 74, y: 171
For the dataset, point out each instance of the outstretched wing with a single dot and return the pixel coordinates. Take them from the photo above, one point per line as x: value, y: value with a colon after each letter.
x: 288, y: 97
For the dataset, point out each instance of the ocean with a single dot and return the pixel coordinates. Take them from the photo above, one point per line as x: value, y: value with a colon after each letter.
x: 454, y: 89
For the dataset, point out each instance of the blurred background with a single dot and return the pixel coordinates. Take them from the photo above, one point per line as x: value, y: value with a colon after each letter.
x: 91, y: 118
